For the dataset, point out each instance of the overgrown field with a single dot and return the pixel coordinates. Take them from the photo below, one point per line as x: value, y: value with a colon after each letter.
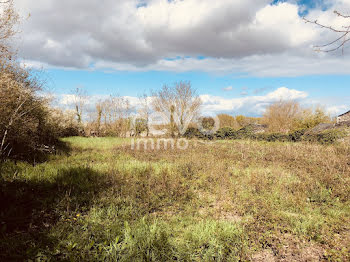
x: 221, y: 201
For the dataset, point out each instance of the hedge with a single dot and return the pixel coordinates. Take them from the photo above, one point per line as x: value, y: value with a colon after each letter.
x: 227, y: 133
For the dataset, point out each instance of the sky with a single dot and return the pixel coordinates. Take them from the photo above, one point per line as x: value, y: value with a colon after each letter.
x: 240, y: 56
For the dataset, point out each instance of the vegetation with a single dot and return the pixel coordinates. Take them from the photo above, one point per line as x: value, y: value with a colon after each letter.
x: 237, y: 122
x: 230, y: 196
x: 289, y: 116
x: 179, y: 106
x: 29, y: 127
x: 329, y: 136
x: 240, y: 200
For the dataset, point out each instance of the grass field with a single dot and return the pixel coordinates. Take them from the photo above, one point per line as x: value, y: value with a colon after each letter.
x: 224, y: 201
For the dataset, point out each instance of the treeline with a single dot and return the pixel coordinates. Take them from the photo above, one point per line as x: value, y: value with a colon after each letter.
x: 175, y: 106
x: 284, y: 121
x: 110, y: 117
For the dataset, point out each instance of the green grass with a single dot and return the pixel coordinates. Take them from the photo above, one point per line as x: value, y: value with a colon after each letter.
x: 225, y: 201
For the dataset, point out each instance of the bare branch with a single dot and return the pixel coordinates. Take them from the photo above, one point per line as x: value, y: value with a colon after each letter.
x: 339, y: 42
x: 341, y: 15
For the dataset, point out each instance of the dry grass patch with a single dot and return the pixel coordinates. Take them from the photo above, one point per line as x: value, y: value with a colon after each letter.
x: 222, y: 201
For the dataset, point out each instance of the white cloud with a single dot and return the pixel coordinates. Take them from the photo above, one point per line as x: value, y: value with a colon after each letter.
x: 337, y: 110
x: 249, y: 105
x: 229, y: 88
x: 244, y: 37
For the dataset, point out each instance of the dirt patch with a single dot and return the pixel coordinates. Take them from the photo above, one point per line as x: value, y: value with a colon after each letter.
x: 219, y: 209
x: 291, y: 249
x: 264, y: 256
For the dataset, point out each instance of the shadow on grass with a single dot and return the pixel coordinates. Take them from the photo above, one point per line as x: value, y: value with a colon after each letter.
x: 28, y: 209
x: 40, y: 154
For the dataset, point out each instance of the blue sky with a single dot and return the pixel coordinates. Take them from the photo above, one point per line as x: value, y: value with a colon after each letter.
x: 230, y: 50
x: 135, y: 83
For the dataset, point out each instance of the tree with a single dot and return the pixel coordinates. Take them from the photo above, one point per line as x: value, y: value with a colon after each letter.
x: 99, y: 108
x: 25, y: 116
x: 281, y: 116
x: 207, y: 122
x: 145, y: 110
x: 287, y: 116
x: 140, y: 125
x: 179, y: 104
x: 80, y: 97
x: 343, y: 34
x: 28, y: 126
x: 115, y: 112
x: 312, y: 117
x: 8, y: 19
x: 243, y: 121
x: 227, y: 121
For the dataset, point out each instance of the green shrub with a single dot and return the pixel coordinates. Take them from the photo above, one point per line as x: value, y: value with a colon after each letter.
x: 226, y: 133
x: 326, y: 137
x: 297, y: 135
x: 193, y: 132
x: 245, y: 132
x: 277, y: 137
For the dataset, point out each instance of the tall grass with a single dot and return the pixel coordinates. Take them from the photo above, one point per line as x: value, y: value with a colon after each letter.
x: 224, y: 201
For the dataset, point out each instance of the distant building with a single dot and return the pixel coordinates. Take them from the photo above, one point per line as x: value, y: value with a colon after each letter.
x: 343, y: 118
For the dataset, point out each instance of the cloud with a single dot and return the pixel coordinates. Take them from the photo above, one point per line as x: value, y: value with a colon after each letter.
x: 229, y: 88
x: 262, y: 90
x: 249, y: 105
x: 261, y: 65
x: 337, y: 110
x: 244, y: 91
x: 250, y: 37
x: 211, y: 104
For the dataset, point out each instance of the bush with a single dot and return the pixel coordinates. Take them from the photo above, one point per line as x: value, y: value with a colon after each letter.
x: 63, y: 123
x: 226, y: 133
x: 27, y: 126
x: 193, y: 132
x: 326, y: 137
x: 246, y: 132
x: 297, y: 135
x: 277, y: 137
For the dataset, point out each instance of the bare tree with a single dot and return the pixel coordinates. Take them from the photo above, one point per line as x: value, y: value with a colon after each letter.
x: 145, y: 110
x: 343, y: 34
x: 180, y: 104
x: 99, y: 109
x: 281, y: 116
x: 80, y: 97
x: 115, y: 113
x: 8, y: 19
